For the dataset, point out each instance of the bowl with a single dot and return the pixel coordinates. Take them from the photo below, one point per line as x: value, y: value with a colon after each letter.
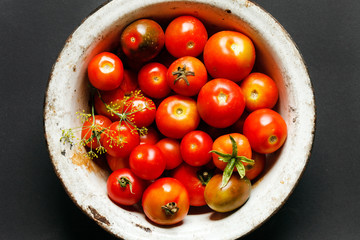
x: 85, y: 181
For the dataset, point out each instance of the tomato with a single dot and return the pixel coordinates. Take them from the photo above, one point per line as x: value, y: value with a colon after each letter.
x: 152, y: 80
x: 151, y: 137
x: 109, y: 103
x: 140, y: 111
x: 195, y: 180
x: 166, y: 201
x: 124, y: 187
x: 186, y: 76
x: 142, y: 40
x: 260, y: 91
x: 185, y: 36
x: 239, y: 124
x: 220, y: 102
x: 105, y: 71
x: 116, y: 163
x: 147, y: 161
x: 223, y: 144
x: 91, y: 132
x: 195, y: 148
x: 266, y: 130
x: 230, y: 55
x: 129, y: 83
x: 120, y: 139
x: 171, y: 149
x: 230, y: 197
x: 258, y: 167
x: 176, y: 116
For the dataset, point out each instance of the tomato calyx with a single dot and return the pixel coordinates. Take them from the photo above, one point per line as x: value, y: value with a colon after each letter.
x: 182, y: 73
x: 233, y: 161
x: 204, y: 176
x: 124, y: 181
x: 170, y: 208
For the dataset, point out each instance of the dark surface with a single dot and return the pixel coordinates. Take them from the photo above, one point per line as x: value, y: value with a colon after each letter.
x: 324, y: 205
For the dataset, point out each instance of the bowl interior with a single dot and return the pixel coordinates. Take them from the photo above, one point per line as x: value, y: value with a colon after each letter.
x: 68, y: 93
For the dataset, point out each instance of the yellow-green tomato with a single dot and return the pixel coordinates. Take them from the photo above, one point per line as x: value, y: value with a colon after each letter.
x: 230, y: 197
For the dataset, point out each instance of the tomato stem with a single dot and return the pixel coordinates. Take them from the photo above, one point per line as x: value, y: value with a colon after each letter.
x: 182, y: 73
x: 124, y: 181
x: 204, y: 176
x: 170, y: 208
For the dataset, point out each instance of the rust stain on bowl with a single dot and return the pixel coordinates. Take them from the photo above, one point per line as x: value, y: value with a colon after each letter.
x: 97, y: 216
x: 79, y: 159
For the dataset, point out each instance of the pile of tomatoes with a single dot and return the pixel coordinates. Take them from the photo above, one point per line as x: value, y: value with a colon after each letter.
x: 182, y: 119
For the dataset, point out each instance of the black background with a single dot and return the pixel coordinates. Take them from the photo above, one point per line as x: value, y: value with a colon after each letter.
x: 324, y: 205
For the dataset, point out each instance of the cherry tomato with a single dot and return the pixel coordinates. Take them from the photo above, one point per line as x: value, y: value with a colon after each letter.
x: 230, y: 197
x: 166, y: 201
x: 260, y: 91
x: 91, y: 132
x: 141, y: 111
x: 124, y: 187
x: 151, y: 137
x: 120, y: 139
x: 171, y: 149
x: 185, y: 36
x: 114, y: 101
x: 147, y: 161
x: 105, y: 71
x: 129, y: 83
x: 152, y: 80
x: 230, y: 55
x: 116, y: 163
x: 266, y: 130
x: 258, y: 167
x: 239, y: 124
x: 142, y: 40
x: 224, y: 145
x: 220, y: 103
x: 186, y: 76
x: 195, y: 180
x: 195, y: 148
x: 176, y: 116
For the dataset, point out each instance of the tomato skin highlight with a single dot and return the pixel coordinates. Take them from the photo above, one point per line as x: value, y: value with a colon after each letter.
x: 176, y: 116
x: 141, y: 111
x: 166, y: 192
x: 147, y: 161
x: 185, y: 36
x: 171, y: 149
x: 122, y: 195
x: 220, y: 103
x: 105, y: 71
x: 260, y: 91
x: 230, y: 55
x: 195, y: 148
x: 266, y: 130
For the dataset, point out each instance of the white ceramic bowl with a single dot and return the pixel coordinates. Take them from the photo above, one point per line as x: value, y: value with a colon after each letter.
x: 277, y: 56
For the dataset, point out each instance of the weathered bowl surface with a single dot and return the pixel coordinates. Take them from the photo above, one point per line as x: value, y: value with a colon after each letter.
x: 277, y: 56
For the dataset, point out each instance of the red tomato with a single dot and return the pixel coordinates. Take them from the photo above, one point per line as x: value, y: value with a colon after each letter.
x: 223, y: 144
x: 120, y: 139
x: 116, y: 163
x: 258, y: 167
x: 151, y: 137
x: 185, y: 36
x: 142, y: 40
x: 230, y: 55
x: 220, y: 103
x: 124, y: 187
x: 195, y: 180
x: 239, y: 124
x: 147, y: 161
x: 266, y: 130
x: 91, y: 130
x: 186, y: 76
x: 195, y: 148
x: 176, y: 116
x: 166, y: 201
x: 140, y: 111
x: 260, y: 91
x: 114, y: 100
x: 129, y: 83
x: 105, y: 71
x: 152, y: 80
x: 171, y: 150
